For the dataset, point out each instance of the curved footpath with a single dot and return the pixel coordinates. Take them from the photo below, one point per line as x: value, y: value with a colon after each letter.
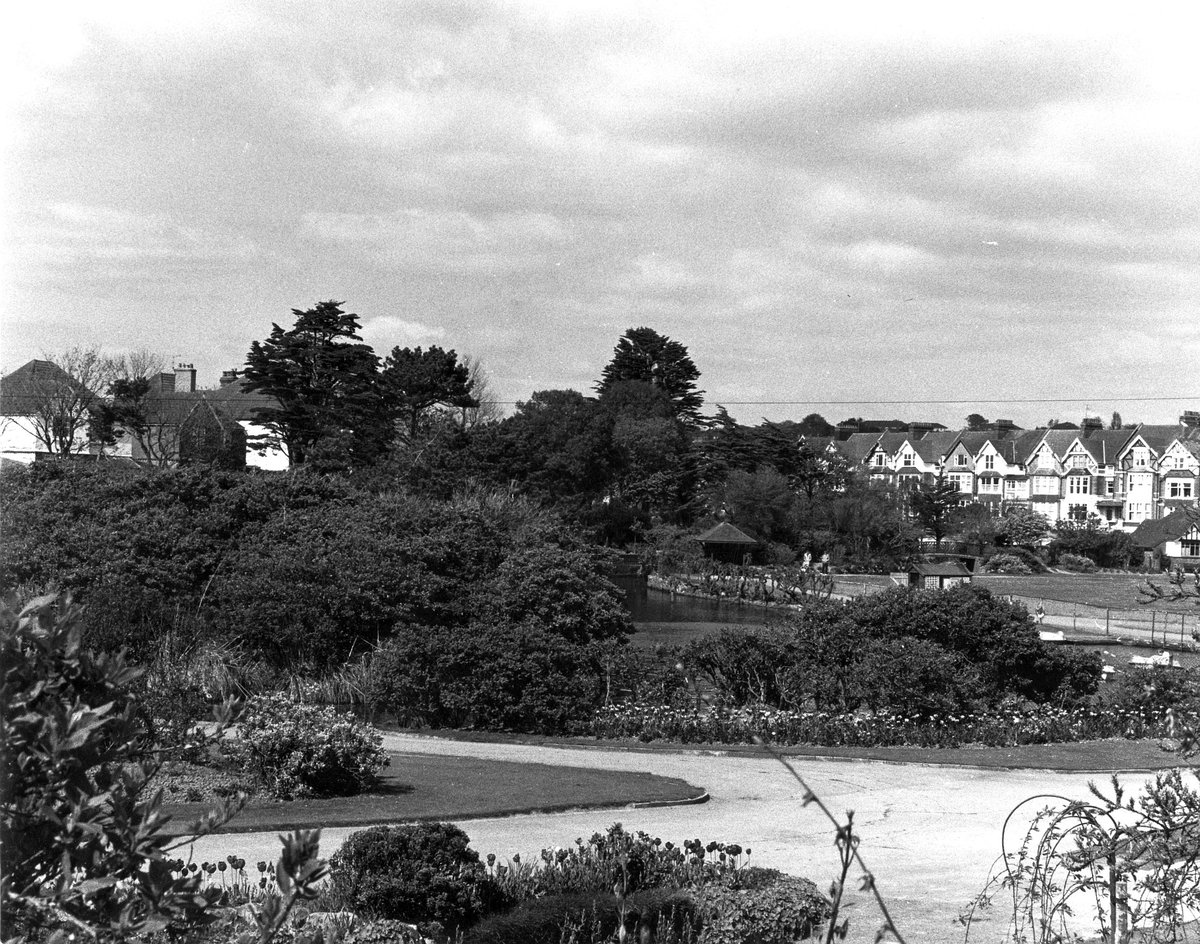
x: 929, y: 833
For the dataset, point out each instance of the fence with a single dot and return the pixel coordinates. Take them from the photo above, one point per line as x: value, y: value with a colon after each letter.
x: 1154, y: 626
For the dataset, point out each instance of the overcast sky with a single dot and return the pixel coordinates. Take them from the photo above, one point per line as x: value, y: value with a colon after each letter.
x: 873, y: 204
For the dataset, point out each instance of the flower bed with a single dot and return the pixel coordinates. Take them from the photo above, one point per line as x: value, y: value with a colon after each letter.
x: 1002, y: 727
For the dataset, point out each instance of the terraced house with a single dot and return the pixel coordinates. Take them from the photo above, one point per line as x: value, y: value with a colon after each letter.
x: 1122, y: 476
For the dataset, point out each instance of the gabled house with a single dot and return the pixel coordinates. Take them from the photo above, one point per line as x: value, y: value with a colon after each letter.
x: 44, y: 411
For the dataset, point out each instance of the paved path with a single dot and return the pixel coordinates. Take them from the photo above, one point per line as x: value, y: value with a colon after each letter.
x: 930, y: 834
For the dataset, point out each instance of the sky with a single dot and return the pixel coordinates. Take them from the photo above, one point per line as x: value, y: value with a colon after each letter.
x: 939, y: 206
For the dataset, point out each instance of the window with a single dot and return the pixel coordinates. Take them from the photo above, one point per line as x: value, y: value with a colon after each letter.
x: 1078, y: 484
x: 880, y: 459
x: 1110, y: 487
x: 1141, y: 457
x: 1180, y: 462
x: 1078, y: 512
x: 960, y: 460
x: 1045, y: 485
x: 1179, y: 488
x: 1190, y: 547
x: 960, y: 481
x: 909, y: 459
x: 1078, y: 462
x: 989, y: 483
x: 989, y: 462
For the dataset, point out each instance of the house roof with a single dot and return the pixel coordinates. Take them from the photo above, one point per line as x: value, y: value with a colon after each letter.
x: 941, y: 569
x: 1152, y: 533
x: 858, y: 446
x: 725, y: 533
x: 23, y: 388
x: 236, y: 401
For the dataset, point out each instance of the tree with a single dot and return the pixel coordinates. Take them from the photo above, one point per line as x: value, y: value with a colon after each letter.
x: 934, y: 504
x: 817, y: 470
x: 1115, y: 423
x: 976, y: 422
x: 1024, y: 527
x: 413, y: 381
x: 816, y: 425
x: 486, y: 409
x: 323, y: 379
x: 644, y: 354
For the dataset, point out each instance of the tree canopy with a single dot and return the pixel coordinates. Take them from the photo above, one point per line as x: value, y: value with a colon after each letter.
x: 644, y: 354
x: 414, y: 380
x: 323, y: 379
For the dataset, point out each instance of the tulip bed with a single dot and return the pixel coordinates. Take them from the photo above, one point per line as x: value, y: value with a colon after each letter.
x: 999, y: 727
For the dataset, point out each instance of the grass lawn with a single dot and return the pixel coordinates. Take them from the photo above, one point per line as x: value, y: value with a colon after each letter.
x: 428, y: 787
x: 1114, y: 591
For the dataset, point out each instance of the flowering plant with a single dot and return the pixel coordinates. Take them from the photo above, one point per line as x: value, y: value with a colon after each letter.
x: 308, y: 750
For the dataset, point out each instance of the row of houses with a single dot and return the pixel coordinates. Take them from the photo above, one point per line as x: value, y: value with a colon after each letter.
x: 1122, y: 476
x: 181, y: 420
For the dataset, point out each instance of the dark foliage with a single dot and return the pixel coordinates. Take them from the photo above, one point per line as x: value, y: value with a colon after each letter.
x: 419, y: 873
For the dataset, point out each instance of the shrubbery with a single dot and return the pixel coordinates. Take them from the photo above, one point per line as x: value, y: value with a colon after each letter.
x: 419, y: 873
x: 1077, y: 563
x: 305, y: 750
x: 1009, y: 564
x: 301, y: 570
x: 916, y: 652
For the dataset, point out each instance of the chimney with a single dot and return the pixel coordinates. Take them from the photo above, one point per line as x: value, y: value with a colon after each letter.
x: 1191, y: 419
x: 185, y: 378
x: 228, y: 377
x: 166, y: 383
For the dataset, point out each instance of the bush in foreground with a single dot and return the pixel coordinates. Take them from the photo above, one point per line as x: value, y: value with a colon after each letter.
x: 306, y: 750
x: 418, y: 873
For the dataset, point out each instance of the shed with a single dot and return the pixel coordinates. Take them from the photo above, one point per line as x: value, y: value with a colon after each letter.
x: 727, y: 543
x: 939, y: 576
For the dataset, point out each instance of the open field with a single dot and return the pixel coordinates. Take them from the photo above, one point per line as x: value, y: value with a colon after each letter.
x: 1106, y: 591
x: 1112, y: 591
x: 420, y: 787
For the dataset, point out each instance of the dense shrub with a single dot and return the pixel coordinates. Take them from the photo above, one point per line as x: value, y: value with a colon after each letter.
x: 491, y: 677
x: 767, y: 908
x: 1009, y: 564
x: 915, y: 651
x: 418, y: 873
x: 1077, y: 563
x: 306, y: 750
x: 300, y: 569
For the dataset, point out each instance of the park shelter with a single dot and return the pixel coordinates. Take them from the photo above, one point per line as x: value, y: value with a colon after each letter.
x: 939, y: 576
x: 727, y: 543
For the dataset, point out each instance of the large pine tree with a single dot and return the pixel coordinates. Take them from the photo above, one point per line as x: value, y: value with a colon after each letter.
x: 324, y: 380
x: 642, y: 354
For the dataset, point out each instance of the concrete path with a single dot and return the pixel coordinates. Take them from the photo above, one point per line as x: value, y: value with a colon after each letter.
x: 930, y: 834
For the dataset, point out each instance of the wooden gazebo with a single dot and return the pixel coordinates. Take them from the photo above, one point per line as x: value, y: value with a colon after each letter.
x: 727, y: 543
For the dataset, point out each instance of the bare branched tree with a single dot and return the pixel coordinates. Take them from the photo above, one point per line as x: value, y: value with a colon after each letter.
x: 488, y: 410
x: 55, y: 398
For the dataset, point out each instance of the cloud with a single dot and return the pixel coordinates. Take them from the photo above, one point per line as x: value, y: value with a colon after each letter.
x: 386, y: 331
